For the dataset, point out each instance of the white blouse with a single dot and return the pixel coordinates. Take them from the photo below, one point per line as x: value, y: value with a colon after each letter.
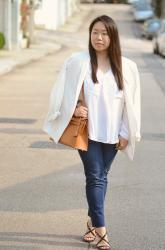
x: 107, y: 117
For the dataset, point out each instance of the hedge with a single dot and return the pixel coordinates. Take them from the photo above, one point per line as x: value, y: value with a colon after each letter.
x: 2, y: 40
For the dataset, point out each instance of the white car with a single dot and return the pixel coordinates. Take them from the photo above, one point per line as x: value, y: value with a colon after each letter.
x: 143, y: 12
x: 159, y: 40
x: 99, y: 1
x: 132, y: 1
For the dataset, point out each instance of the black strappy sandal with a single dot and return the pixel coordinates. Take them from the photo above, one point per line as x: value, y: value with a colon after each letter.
x: 102, y: 238
x: 90, y: 231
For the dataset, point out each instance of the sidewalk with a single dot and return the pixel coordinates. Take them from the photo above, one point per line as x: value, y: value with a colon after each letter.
x: 12, y: 59
x: 42, y: 185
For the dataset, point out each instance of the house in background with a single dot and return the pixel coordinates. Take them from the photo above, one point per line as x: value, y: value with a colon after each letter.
x: 9, y: 22
x: 54, y: 13
x: 50, y: 14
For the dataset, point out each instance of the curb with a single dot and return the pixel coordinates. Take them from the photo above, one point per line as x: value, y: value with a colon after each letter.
x: 73, y: 24
x: 7, y: 65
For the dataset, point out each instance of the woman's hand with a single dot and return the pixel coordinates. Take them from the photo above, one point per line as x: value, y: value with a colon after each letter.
x: 122, y: 144
x: 81, y: 112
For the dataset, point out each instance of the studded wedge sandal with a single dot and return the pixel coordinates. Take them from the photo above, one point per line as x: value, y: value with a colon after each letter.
x: 102, y: 238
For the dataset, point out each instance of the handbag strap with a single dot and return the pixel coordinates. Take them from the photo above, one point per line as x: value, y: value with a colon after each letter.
x: 82, y: 101
x: 83, y: 96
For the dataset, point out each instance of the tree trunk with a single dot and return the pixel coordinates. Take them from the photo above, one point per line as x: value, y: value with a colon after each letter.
x: 158, y: 8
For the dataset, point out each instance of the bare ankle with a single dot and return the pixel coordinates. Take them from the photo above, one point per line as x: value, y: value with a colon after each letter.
x: 90, y: 222
x: 100, y: 230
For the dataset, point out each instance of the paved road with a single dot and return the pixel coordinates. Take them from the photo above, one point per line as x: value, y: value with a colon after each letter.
x: 42, y: 198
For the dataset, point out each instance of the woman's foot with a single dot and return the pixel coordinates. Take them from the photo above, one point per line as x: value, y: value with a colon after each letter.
x: 90, y: 234
x: 102, y: 243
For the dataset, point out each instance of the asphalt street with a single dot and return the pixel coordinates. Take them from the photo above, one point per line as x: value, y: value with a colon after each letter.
x: 42, y: 185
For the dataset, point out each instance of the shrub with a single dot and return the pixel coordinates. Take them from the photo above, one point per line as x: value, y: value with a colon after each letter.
x: 2, y: 40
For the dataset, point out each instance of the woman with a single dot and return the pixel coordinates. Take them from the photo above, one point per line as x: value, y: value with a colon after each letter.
x: 112, y: 96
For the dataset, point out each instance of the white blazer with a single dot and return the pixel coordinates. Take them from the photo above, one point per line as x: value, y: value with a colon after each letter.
x: 66, y: 90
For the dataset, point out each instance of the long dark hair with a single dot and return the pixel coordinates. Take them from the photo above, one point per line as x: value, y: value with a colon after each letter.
x: 114, y: 50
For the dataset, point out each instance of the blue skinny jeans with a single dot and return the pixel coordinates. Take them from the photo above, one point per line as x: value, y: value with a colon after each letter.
x: 97, y: 162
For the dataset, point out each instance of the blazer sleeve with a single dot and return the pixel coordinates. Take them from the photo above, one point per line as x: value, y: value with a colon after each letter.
x: 137, y: 103
x: 56, y: 95
x: 124, y: 128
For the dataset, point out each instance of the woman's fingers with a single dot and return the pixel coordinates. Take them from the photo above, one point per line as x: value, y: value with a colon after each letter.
x: 84, y: 115
x: 83, y: 112
x: 122, y: 144
x: 83, y: 109
x: 117, y: 146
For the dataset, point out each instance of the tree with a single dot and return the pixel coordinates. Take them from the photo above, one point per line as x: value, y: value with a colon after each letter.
x: 31, y: 20
x: 25, y: 12
x: 28, y: 8
x: 158, y: 8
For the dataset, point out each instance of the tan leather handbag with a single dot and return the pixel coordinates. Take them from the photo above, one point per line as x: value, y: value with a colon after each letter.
x: 76, y: 133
